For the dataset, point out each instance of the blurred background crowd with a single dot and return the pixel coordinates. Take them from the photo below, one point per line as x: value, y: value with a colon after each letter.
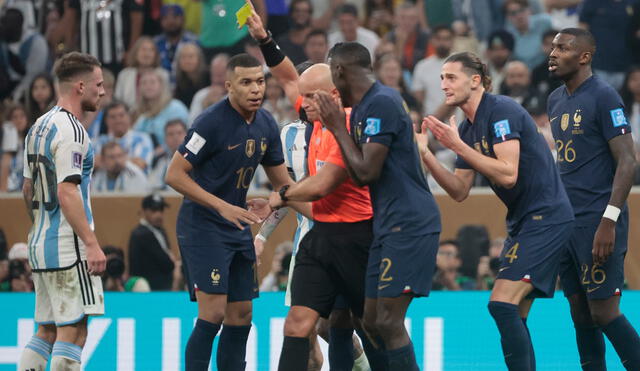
x: 164, y: 62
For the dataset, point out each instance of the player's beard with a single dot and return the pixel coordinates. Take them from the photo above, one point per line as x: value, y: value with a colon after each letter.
x: 90, y: 106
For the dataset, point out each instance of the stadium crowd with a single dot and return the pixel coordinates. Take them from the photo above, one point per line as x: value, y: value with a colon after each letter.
x: 164, y: 63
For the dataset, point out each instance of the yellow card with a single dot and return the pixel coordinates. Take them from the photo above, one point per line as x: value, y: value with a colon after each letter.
x: 242, y: 14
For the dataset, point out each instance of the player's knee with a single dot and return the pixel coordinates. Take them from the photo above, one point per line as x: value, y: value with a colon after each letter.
x: 388, y: 324
x: 298, y: 324
x: 603, y: 316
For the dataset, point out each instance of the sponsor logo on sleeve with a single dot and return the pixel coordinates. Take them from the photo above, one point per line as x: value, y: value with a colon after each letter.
x: 502, y: 128
x: 618, y: 118
x: 373, y: 126
x: 195, y: 144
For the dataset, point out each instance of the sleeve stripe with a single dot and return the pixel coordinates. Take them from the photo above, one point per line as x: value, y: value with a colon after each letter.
x: 78, y: 132
x: 75, y: 129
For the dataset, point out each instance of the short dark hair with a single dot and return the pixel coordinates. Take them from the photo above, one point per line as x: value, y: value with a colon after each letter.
x: 450, y: 242
x: 347, y: 9
x: 522, y: 3
x: 175, y: 122
x: 109, y: 146
x: 441, y: 27
x: 296, y: 2
x: 473, y: 65
x: 549, y: 33
x: 351, y: 53
x: 113, y: 105
x: 73, y: 64
x: 242, y: 60
x: 316, y: 32
x: 581, y: 35
x: 113, y: 250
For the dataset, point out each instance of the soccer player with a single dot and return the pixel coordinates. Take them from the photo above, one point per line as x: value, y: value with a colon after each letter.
x: 379, y: 151
x: 596, y: 162
x: 213, y: 169
x: 500, y: 141
x: 63, y: 250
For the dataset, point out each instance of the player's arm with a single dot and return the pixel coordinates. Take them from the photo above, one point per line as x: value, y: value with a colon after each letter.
x: 313, y: 188
x: 279, y: 177
x: 502, y: 170
x: 179, y: 179
x: 27, y: 195
x: 279, y: 64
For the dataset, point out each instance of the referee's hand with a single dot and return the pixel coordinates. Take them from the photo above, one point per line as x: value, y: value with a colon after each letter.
x: 238, y: 215
x: 96, y: 260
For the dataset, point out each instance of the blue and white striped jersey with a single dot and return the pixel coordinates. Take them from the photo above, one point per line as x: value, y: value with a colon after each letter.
x: 57, y: 147
x: 135, y: 143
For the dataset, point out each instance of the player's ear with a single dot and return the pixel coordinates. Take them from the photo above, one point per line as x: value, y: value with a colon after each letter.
x: 80, y: 87
x: 585, y: 57
x: 227, y: 85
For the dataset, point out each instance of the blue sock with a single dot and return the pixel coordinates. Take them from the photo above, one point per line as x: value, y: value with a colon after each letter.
x: 377, y: 356
x: 532, y: 354
x: 40, y: 346
x: 198, y: 352
x: 340, y: 349
x: 66, y: 350
x: 513, y: 335
x: 232, y: 348
x: 591, y: 348
x: 625, y: 340
x: 295, y: 354
x: 402, y: 359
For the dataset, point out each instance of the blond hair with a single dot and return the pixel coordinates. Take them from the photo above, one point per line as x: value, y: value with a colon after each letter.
x: 149, y: 107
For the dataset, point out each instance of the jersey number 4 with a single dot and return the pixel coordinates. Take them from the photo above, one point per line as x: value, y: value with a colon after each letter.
x: 511, y: 253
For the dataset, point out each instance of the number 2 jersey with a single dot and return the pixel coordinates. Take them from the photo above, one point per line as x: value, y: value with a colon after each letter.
x: 583, y: 123
x: 224, y: 150
x: 57, y: 148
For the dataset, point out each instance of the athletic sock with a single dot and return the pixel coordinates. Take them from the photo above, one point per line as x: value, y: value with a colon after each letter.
x: 65, y: 356
x: 198, y: 351
x: 232, y: 348
x: 513, y: 335
x: 361, y: 363
x: 340, y: 349
x: 35, y: 355
x: 402, y: 359
x: 377, y: 356
x: 532, y: 353
x: 591, y: 348
x: 625, y: 340
x: 295, y: 354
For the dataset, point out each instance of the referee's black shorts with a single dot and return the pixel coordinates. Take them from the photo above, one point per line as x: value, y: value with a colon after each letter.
x: 332, y: 261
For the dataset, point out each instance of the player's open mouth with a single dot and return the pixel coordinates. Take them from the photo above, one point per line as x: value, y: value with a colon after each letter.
x: 255, y: 101
x: 552, y: 66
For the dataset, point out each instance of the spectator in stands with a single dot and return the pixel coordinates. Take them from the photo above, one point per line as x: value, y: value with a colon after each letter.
x: 316, y: 46
x: 464, y: 40
x: 156, y: 107
x: 350, y: 30
x: 292, y: 43
x: 173, y: 35
x: 527, y: 30
x: 137, y: 145
x: 174, y: 133
x: 517, y: 85
x: 108, y: 30
x: 272, y: 281
x: 378, y: 16
x: 29, y: 48
x: 277, y: 103
x: 540, y: 77
x: 630, y: 93
x: 94, y: 121
x: 142, y: 58
x: 389, y: 72
x: 610, y: 23
x: 426, y: 79
x: 14, y: 130
x: 19, y: 270
x: 150, y: 253
x: 41, y: 97
x: 487, y: 272
x: 115, y: 277
x: 410, y: 40
x: 448, y: 276
x: 191, y: 73
x: 485, y: 16
x: 499, y: 51
x: 214, y: 92
x: 564, y: 13
x: 118, y: 174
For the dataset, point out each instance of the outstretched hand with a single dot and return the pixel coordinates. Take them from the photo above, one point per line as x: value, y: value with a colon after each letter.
x: 445, y: 134
x: 254, y: 24
x: 331, y: 112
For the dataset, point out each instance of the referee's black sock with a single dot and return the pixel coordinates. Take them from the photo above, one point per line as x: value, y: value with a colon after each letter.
x: 295, y: 354
x: 340, y: 349
x: 232, y: 348
x: 591, y: 347
x: 625, y: 340
x: 377, y: 356
x: 532, y: 354
x: 402, y: 359
x: 513, y: 335
x: 198, y: 351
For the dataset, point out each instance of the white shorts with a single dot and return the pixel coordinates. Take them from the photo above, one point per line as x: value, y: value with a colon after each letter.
x: 287, y: 294
x: 64, y: 297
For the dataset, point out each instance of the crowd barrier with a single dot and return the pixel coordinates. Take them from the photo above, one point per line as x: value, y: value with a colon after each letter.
x: 451, y: 331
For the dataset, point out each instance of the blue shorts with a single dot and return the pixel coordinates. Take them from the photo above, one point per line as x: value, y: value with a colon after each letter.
x: 533, y: 255
x: 401, y: 265
x: 222, y: 269
x: 579, y: 274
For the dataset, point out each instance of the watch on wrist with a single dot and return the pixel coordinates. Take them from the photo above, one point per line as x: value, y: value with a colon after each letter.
x: 282, y: 192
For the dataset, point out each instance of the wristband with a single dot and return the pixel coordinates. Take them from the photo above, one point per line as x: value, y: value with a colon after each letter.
x: 261, y: 237
x: 611, y: 212
x: 273, y: 56
x: 265, y: 39
x: 282, y: 193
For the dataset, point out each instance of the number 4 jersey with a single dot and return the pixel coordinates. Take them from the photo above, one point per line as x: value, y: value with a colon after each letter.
x: 57, y: 149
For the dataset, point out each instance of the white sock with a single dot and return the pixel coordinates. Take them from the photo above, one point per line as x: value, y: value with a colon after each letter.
x: 361, y: 363
x: 59, y: 363
x: 35, y: 355
x: 65, y: 357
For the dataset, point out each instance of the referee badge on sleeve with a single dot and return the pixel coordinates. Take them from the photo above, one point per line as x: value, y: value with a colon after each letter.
x: 373, y: 126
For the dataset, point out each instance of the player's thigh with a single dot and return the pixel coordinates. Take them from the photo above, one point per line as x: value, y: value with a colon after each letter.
x: 207, y: 268
x: 243, y: 276
x: 532, y: 256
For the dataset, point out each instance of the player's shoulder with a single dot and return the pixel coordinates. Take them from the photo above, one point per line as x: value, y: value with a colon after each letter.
x: 600, y: 89
x: 503, y: 105
x: 212, y: 118
x: 68, y: 125
x: 556, y: 95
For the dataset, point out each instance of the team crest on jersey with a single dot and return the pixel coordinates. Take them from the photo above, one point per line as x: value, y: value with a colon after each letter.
x: 215, y: 277
x: 77, y: 160
x: 618, y: 118
x: 373, y: 126
x: 501, y: 128
x: 250, y: 147
x: 263, y: 145
x: 577, y: 118
x: 564, y: 121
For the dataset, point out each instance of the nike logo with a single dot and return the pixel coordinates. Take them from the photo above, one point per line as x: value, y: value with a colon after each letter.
x: 503, y: 269
x: 589, y: 291
x: 550, y: 121
x: 233, y: 147
x: 382, y: 287
x: 584, y: 363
